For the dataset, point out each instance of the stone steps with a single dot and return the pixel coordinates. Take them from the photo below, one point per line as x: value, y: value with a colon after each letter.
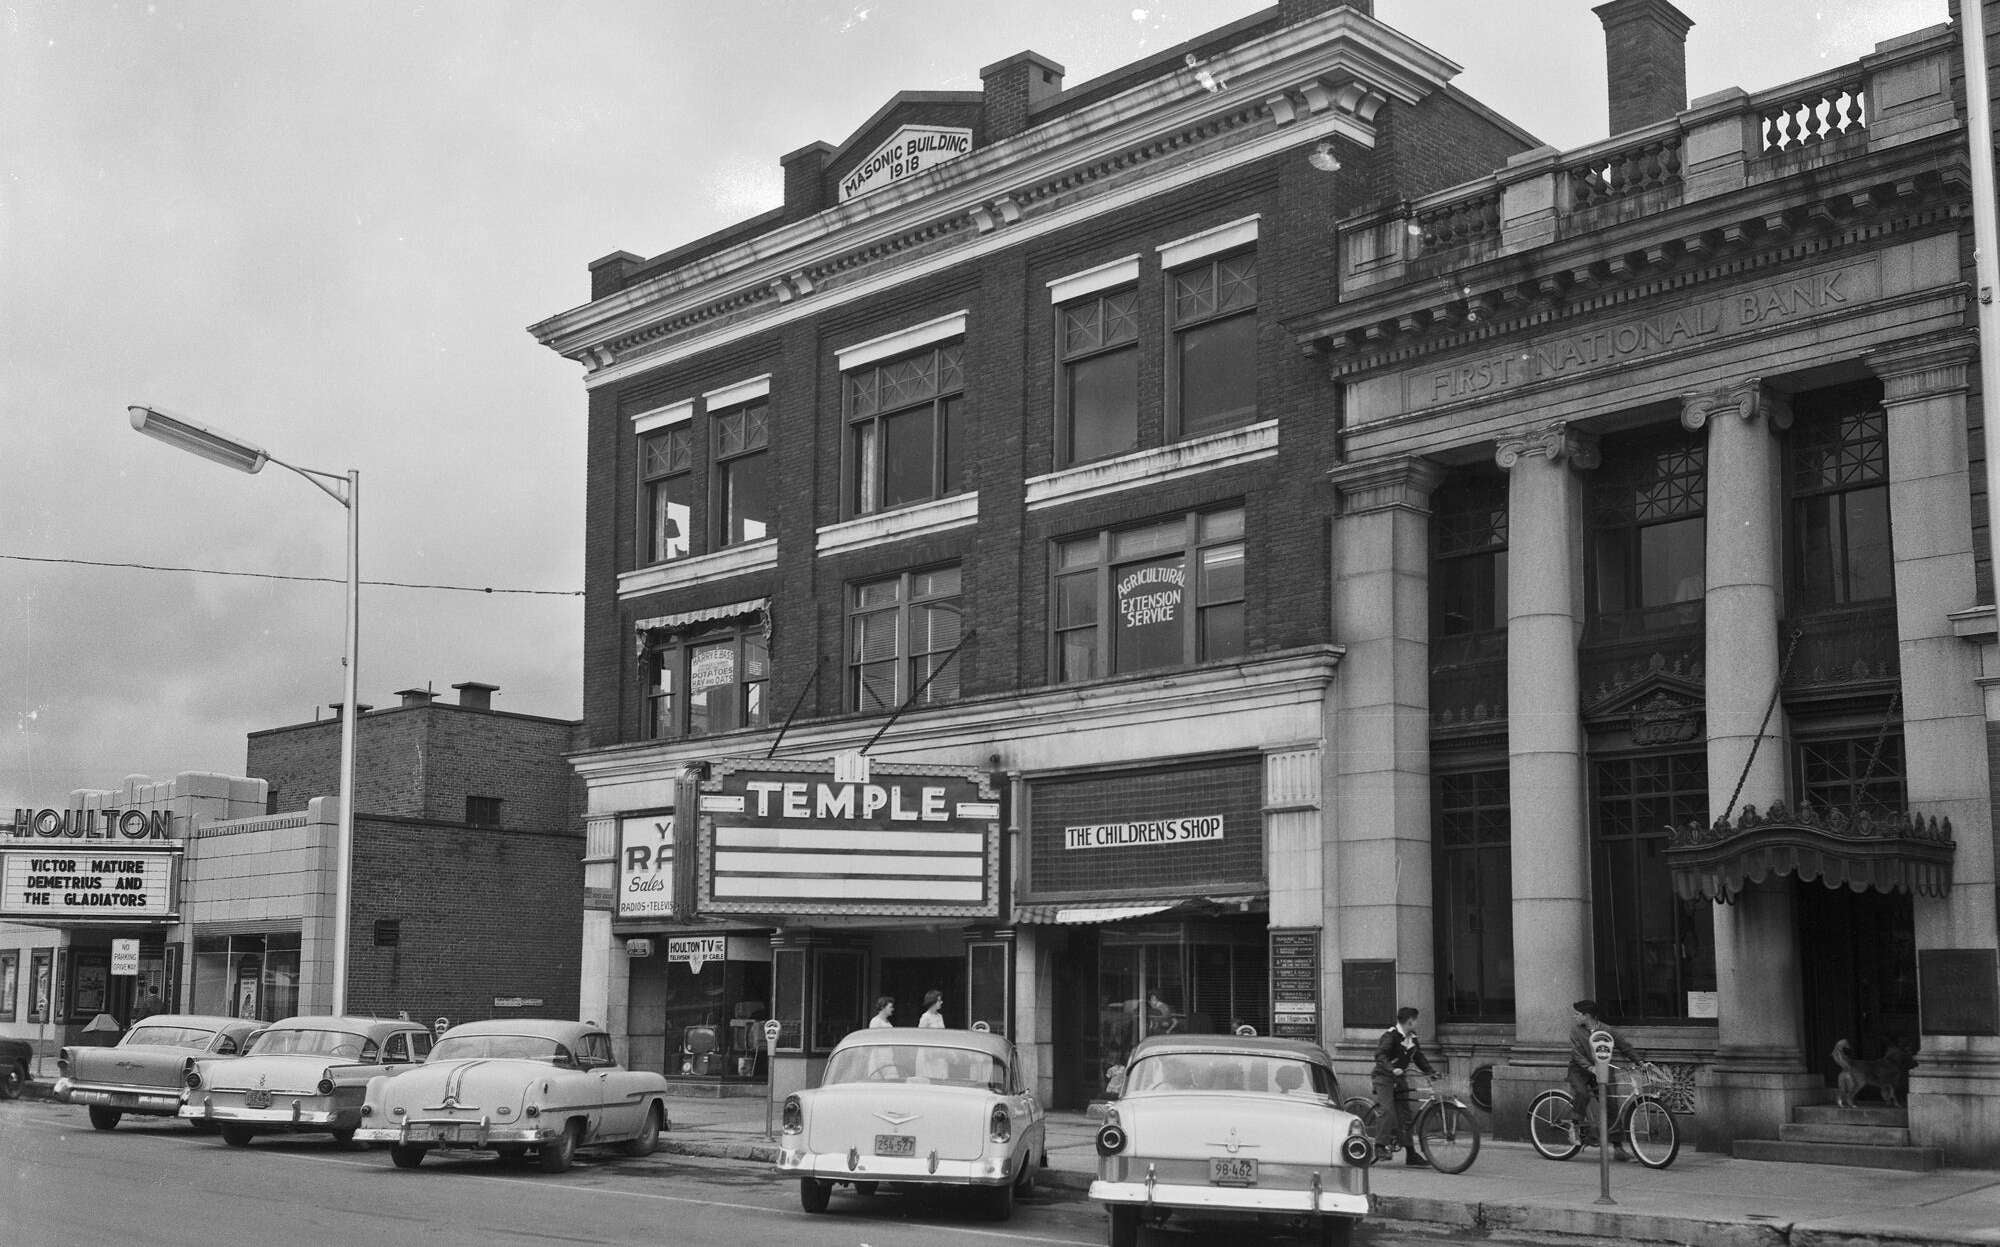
x: 1866, y: 1136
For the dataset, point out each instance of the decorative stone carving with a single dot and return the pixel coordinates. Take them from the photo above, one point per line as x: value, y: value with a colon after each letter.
x: 1555, y: 442
x: 1747, y: 400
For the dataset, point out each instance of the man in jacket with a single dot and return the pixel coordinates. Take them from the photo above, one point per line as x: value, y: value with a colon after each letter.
x: 1395, y: 1052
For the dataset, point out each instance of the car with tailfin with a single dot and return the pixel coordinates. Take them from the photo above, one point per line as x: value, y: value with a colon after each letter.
x: 302, y: 1075
x: 145, y: 1073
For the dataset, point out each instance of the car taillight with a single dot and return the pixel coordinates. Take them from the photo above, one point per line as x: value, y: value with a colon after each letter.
x: 1111, y: 1139
x: 1357, y: 1148
x: 795, y: 1115
x: 367, y: 1110
x: 533, y: 1110
x: 62, y: 1063
x: 193, y: 1077
x: 325, y: 1085
x: 1001, y: 1128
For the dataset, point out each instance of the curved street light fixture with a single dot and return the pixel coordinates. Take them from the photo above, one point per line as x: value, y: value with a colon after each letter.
x: 233, y: 452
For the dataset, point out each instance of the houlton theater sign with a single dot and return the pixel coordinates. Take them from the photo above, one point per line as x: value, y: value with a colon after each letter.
x: 93, y: 865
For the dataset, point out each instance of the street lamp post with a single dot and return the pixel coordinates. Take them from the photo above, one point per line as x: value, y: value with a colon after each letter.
x: 345, y: 489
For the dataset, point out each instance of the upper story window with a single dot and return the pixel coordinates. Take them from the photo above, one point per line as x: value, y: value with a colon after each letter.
x: 1649, y: 504
x: 666, y: 482
x: 482, y: 811
x: 1469, y: 568
x: 743, y: 502
x: 1097, y: 353
x: 1212, y: 343
x: 697, y: 685
x: 902, y: 631
x: 1167, y: 594
x: 905, y: 429
x: 1838, y: 469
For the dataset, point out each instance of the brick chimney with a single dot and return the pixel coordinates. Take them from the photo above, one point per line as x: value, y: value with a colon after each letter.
x: 340, y: 707
x: 1014, y: 88
x: 472, y: 695
x: 805, y: 180
x: 415, y: 697
x: 608, y: 273
x: 1645, y: 56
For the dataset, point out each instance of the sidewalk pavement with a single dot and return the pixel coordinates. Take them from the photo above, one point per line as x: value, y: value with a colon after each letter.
x: 1703, y: 1198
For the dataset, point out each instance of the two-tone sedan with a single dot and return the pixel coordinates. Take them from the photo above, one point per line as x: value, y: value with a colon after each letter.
x: 301, y: 1075
x: 515, y: 1086
x: 1226, y: 1128
x: 914, y: 1108
x: 147, y: 1070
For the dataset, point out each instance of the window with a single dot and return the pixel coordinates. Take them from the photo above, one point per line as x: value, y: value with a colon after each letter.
x: 700, y: 685
x: 905, y: 430
x: 1469, y: 572
x: 1097, y: 407
x: 1212, y: 307
x: 1839, y: 475
x: 1652, y: 947
x: 742, y: 473
x: 1647, y: 533
x: 247, y: 976
x: 41, y: 986
x: 1475, y: 903
x: 10, y: 984
x: 1853, y: 775
x: 1169, y: 594
x: 901, y: 632
x: 482, y: 811
x: 666, y: 488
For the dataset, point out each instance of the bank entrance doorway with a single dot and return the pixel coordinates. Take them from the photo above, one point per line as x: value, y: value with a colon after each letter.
x: 1859, y: 950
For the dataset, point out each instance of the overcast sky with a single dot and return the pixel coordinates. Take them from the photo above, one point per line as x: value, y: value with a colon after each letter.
x: 323, y: 227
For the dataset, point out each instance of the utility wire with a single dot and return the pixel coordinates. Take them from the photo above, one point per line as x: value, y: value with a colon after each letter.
x: 330, y: 580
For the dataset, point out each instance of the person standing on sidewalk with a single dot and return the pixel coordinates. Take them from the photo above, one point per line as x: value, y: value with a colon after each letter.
x: 932, y: 1017
x: 1582, y: 1076
x: 885, y: 1008
x: 1395, y: 1052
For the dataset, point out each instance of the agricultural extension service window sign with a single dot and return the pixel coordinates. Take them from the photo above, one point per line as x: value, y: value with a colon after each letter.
x: 792, y: 838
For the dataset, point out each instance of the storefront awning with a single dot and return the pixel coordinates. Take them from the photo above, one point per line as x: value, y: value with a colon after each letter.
x: 1069, y: 913
x: 683, y: 620
x: 1886, y: 853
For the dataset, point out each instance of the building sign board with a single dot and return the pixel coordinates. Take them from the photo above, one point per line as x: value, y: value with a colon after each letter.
x: 791, y: 838
x: 909, y: 151
x: 1158, y: 831
x: 1295, y: 984
x: 646, y: 866
x: 128, y: 826
x: 695, y: 951
x: 99, y: 882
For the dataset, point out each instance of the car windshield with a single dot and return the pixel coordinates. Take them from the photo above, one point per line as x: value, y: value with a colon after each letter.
x: 313, y: 1043
x: 517, y: 1047
x: 917, y: 1063
x: 1228, y: 1071
x: 168, y: 1037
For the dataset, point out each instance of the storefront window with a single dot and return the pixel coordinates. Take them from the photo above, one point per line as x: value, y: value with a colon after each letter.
x: 10, y: 983
x: 41, y: 986
x: 838, y: 1007
x: 991, y: 973
x: 247, y: 976
x: 788, y: 995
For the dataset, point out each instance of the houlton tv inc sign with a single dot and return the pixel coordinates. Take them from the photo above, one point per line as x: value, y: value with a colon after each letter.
x: 94, y: 865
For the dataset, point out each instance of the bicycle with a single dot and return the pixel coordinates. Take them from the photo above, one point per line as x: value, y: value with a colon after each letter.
x: 1641, y: 1120
x: 1443, y: 1128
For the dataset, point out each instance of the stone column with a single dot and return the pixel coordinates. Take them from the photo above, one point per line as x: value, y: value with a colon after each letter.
x: 1545, y: 753
x: 1377, y: 881
x: 1759, y: 1071
x: 1948, y: 718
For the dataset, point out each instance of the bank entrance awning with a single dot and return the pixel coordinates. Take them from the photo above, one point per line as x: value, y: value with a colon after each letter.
x: 1860, y: 851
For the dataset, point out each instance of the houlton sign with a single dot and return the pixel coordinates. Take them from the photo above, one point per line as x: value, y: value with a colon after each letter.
x: 107, y: 824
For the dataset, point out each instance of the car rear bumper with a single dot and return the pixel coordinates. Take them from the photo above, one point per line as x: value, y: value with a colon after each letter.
x: 290, y: 1112
x: 1229, y: 1198
x: 854, y: 1167
x: 458, y: 1133
x: 124, y: 1099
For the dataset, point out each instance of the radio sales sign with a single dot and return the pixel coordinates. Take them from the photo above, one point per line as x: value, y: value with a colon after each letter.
x: 113, y: 883
x: 646, y: 866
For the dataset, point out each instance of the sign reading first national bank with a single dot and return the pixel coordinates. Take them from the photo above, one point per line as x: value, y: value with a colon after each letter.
x: 796, y: 839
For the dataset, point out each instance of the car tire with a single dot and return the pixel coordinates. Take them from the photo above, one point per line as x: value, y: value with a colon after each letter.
x: 814, y: 1195
x: 648, y: 1139
x: 12, y: 1080
x: 407, y: 1156
x: 102, y: 1118
x: 559, y: 1153
x: 236, y: 1135
x: 1000, y: 1202
x: 1124, y: 1226
x: 1024, y: 1184
x: 1336, y: 1232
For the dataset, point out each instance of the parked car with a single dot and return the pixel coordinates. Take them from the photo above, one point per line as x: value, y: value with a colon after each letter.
x: 17, y: 1057
x: 513, y: 1086
x: 1231, y: 1128
x: 147, y: 1070
x: 917, y: 1108
x: 302, y: 1075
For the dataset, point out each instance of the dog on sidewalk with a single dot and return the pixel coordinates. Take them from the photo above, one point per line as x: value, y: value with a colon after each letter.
x: 1886, y: 1073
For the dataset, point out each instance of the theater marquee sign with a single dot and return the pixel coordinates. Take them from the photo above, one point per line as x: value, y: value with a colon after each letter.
x: 795, y: 839
x: 105, y: 865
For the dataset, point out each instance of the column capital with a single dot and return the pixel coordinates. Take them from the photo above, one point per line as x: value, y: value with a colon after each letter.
x: 1554, y: 442
x: 1385, y: 485
x: 1923, y: 369
x: 1748, y: 400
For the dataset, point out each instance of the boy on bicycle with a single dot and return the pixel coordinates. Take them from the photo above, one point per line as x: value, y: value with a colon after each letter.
x: 1582, y: 1077
x: 1395, y: 1052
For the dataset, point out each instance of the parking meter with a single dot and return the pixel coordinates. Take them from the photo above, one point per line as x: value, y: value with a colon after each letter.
x: 1600, y: 1055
